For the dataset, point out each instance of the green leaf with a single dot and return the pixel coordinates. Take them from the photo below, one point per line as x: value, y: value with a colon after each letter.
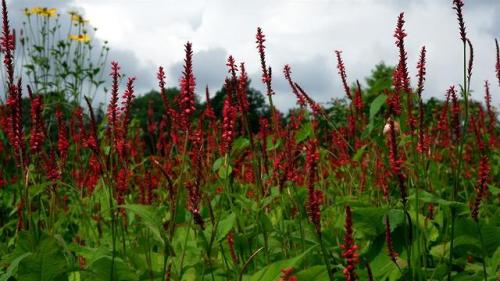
x: 304, y: 133
x: 317, y: 273
x: 100, y: 270
x: 149, y: 218
x: 359, y: 153
x: 225, y: 227
x: 240, y: 144
x: 47, y: 263
x: 225, y: 171
x: 13, y: 267
x: 273, y: 271
x: 375, y: 107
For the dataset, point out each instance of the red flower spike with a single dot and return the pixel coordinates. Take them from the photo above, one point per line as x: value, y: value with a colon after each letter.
x: 342, y: 73
x: 300, y: 98
x: 455, y: 113
x: 228, y: 124
x: 388, y: 239
x: 457, y: 6
x: 266, y: 75
x: 497, y: 65
x: 481, y: 185
x: 187, y: 87
x: 161, y: 84
x: 350, y: 248
x: 113, y: 104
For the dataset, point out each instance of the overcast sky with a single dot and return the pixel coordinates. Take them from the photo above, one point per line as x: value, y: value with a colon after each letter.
x: 144, y: 34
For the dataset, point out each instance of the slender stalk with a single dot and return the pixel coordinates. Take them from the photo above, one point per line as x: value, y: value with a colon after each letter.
x: 325, y: 257
x: 483, y: 248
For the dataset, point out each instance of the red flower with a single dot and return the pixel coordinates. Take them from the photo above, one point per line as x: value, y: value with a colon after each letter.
x: 315, y: 198
x: 228, y: 124
x: 230, y: 243
x: 342, y: 73
x: 161, y: 83
x: 187, y: 87
x: 266, y: 72
x: 458, y: 4
x: 37, y: 134
x: 388, y: 239
x: 113, y: 104
x: 287, y: 275
x: 350, y: 248
x: 300, y: 98
x: 497, y: 65
x: 62, y: 136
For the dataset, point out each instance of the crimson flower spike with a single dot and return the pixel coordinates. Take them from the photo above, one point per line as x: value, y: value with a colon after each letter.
x: 400, y: 34
x: 187, y: 96
x: 457, y: 6
x: 421, y: 69
x: 491, y: 114
x: 113, y: 104
x: 342, y: 73
x: 358, y: 99
x: 8, y: 45
x: 421, y: 147
x: 396, y: 163
x: 455, y: 110
x: 233, y: 68
x: 161, y: 83
x: 315, y: 198
x: 300, y: 98
x: 388, y: 239
x: 266, y: 76
x: 483, y: 171
x: 209, y: 112
x: 128, y: 96
x: 241, y: 90
x: 471, y: 61
x: 497, y: 65
x: 229, y: 115
x: 37, y: 134
x: 350, y: 248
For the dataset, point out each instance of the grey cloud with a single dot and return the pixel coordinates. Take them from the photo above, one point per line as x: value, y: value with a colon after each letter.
x: 314, y: 75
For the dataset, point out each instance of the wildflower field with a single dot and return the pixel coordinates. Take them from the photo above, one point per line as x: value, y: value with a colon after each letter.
x: 384, y: 186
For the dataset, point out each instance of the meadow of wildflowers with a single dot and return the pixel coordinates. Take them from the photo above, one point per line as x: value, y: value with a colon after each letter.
x: 394, y: 192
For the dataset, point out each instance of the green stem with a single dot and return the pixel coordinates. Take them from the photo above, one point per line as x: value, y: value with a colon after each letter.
x: 483, y: 248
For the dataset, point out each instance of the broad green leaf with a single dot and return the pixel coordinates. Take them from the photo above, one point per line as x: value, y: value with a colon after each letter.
x: 225, y: 171
x: 375, y: 107
x: 240, y: 144
x: 317, y: 273
x: 13, y: 267
x: 100, y: 270
x: 148, y: 217
x: 304, y: 133
x: 273, y: 271
x: 47, y: 263
x: 225, y: 227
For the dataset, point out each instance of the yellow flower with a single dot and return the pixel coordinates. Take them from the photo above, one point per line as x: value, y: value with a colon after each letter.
x: 49, y: 12
x: 41, y: 11
x: 75, y: 17
x: 84, y: 38
x: 36, y: 10
x: 27, y: 12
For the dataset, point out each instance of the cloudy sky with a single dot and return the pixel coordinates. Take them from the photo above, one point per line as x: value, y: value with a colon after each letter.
x: 144, y: 34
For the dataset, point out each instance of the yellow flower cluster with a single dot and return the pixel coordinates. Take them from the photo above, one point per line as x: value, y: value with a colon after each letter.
x: 77, y: 18
x: 41, y: 11
x: 84, y: 38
